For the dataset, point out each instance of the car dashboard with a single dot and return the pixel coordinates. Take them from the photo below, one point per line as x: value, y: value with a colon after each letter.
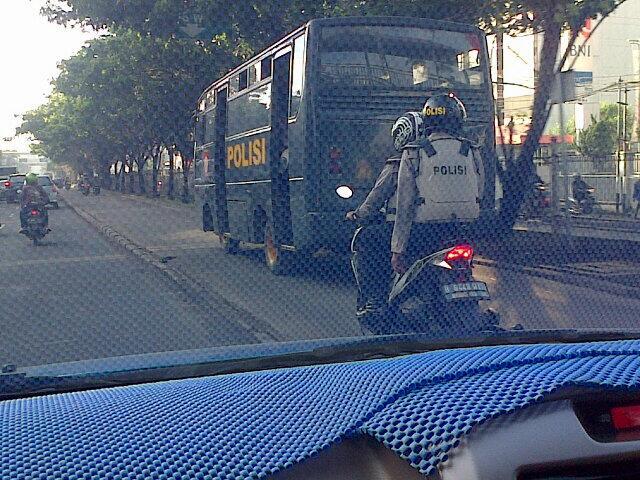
x: 548, y: 441
x: 522, y: 412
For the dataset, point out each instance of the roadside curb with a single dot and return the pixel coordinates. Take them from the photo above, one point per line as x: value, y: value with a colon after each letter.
x: 189, y: 286
x: 174, y: 205
x: 596, y: 282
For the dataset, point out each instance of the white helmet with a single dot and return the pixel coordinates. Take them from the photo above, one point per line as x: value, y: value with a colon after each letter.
x: 406, y: 129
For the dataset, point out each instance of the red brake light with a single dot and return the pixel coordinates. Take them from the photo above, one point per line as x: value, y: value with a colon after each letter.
x: 626, y: 418
x: 459, y: 252
x: 35, y: 212
x: 7, y: 184
x: 335, y: 154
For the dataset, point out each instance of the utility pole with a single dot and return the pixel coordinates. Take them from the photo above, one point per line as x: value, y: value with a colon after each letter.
x: 619, y: 149
x: 636, y: 122
x: 500, y: 69
x: 625, y: 179
x: 555, y: 200
x: 565, y: 164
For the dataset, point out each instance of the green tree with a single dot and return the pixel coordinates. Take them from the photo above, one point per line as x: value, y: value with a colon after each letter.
x: 137, y: 95
x: 600, y: 139
x: 245, y: 26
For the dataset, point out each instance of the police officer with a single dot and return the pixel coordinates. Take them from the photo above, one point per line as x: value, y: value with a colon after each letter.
x: 370, y: 244
x: 440, y: 184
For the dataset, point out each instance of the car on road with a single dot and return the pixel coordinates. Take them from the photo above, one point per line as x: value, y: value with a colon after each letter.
x: 12, y: 185
x: 45, y: 182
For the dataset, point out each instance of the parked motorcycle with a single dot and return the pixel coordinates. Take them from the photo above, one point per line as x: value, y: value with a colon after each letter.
x: 537, y: 205
x: 437, y: 295
x: 589, y: 205
x: 96, y: 189
x: 37, y: 223
x: 85, y: 188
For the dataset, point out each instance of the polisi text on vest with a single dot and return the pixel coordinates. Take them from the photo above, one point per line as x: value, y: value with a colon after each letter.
x: 450, y: 170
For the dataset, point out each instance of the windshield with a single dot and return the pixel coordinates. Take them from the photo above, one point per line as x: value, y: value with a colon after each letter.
x: 400, y: 58
x: 296, y: 180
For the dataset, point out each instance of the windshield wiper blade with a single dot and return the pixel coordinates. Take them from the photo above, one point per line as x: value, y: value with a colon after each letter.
x: 20, y: 385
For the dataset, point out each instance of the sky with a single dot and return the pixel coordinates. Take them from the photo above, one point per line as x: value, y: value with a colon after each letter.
x: 30, y: 49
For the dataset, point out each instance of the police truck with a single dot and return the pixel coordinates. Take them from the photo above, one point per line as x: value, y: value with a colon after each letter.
x: 292, y: 139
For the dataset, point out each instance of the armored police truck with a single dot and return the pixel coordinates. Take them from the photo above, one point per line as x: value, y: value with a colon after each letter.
x: 295, y: 137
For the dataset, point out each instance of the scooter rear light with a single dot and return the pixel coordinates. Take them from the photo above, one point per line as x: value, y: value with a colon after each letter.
x: 459, y: 253
x: 335, y: 157
x: 35, y: 212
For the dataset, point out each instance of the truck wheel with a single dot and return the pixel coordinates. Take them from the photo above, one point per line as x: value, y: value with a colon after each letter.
x: 207, y: 219
x: 279, y: 262
x: 230, y: 245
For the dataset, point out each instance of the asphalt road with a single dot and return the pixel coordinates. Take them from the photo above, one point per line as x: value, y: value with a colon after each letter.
x: 78, y: 297
x: 319, y: 301
x: 96, y: 300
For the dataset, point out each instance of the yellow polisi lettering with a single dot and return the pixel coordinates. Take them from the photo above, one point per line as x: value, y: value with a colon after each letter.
x: 256, y: 152
x: 435, y: 111
x: 246, y: 161
x: 247, y: 154
x: 237, y: 156
x: 229, y: 156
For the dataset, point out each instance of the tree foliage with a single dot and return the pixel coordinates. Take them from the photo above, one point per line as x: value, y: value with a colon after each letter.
x: 243, y: 27
x: 601, y: 137
x: 122, y: 97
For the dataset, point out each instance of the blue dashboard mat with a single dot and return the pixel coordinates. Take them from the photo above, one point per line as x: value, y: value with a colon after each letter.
x: 255, y: 424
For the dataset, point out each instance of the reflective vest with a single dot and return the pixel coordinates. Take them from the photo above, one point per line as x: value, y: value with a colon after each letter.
x: 447, y: 175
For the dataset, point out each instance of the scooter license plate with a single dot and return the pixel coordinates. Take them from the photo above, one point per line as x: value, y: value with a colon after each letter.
x: 457, y: 291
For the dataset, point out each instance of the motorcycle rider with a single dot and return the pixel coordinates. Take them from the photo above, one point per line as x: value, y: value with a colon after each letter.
x: 32, y: 193
x: 370, y: 243
x: 440, y: 184
x: 580, y: 188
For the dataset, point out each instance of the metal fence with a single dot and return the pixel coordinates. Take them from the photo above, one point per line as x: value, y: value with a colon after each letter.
x: 600, y: 173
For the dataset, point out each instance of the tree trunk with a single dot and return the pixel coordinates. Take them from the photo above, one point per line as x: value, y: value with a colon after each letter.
x: 142, y: 161
x: 117, y: 172
x: 105, y: 175
x: 123, y: 174
x: 132, y: 177
x: 171, y: 182
x: 154, y: 170
x: 126, y: 176
x: 518, y: 173
x: 186, y: 166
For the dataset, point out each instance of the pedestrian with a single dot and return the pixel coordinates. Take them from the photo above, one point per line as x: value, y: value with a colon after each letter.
x: 636, y: 196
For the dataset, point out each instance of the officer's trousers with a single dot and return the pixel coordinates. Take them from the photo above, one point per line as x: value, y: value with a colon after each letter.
x: 373, y: 254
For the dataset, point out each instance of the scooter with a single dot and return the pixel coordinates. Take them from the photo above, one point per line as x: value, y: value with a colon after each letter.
x: 85, y: 188
x: 96, y: 189
x: 538, y: 203
x: 437, y: 296
x: 37, y: 224
x: 587, y: 206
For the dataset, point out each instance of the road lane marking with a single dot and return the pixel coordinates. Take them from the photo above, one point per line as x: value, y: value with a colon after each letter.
x: 57, y: 261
